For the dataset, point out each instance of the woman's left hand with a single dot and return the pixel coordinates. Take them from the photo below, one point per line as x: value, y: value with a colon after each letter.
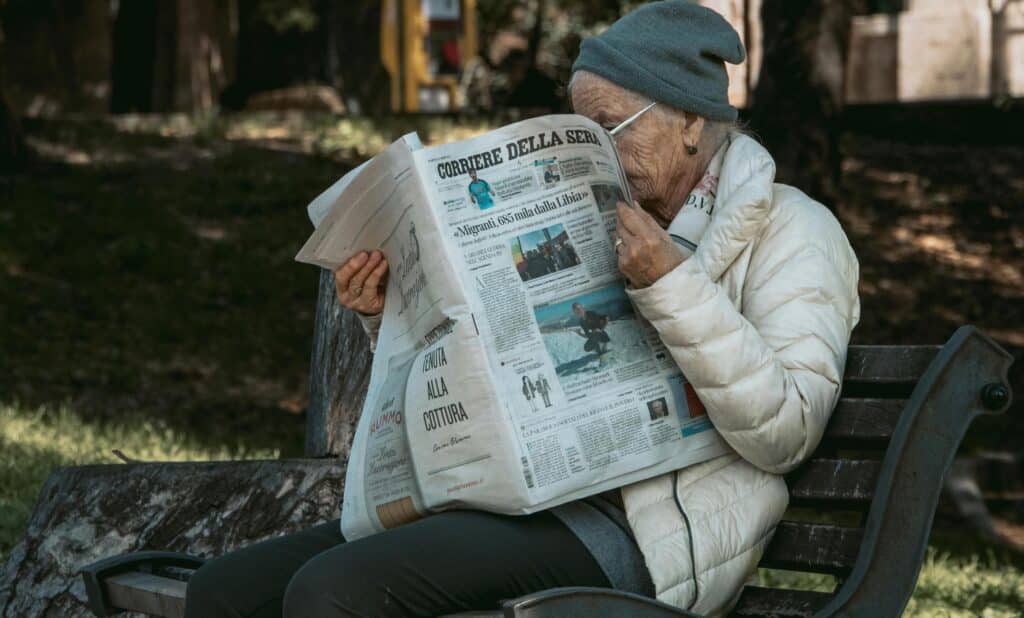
x: 646, y: 252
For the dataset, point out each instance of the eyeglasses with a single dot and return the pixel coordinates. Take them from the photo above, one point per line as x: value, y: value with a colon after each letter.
x: 628, y: 121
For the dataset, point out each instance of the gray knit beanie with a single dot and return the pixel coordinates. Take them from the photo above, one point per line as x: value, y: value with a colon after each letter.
x: 672, y: 51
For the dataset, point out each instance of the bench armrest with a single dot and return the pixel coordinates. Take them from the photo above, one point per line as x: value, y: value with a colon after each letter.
x: 153, y: 573
x: 587, y: 603
x: 967, y: 378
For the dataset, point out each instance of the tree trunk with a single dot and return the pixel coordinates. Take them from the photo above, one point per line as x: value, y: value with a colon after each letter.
x: 352, y: 30
x: 87, y: 513
x: 798, y: 98
x: 339, y: 375
x: 62, y: 43
x: 536, y: 35
x: 134, y: 57
x: 196, y: 45
x: 12, y: 145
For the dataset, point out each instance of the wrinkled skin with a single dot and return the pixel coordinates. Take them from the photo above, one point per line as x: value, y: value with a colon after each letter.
x: 660, y: 172
x: 647, y: 252
x: 360, y: 282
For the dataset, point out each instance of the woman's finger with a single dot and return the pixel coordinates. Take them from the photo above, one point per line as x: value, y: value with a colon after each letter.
x: 343, y: 275
x: 630, y: 219
x: 373, y: 281
x: 650, y: 227
x: 357, y: 284
x: 645, y: 216
x: 628, y: 238
x: 624, y: 214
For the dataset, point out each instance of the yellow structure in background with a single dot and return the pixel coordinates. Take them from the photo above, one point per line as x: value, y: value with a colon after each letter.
x: 425, y: 45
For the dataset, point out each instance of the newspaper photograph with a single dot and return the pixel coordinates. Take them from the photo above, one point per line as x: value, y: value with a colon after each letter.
x: 511, y: 371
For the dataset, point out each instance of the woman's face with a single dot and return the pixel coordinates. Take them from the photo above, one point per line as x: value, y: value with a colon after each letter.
x: 652, y: 149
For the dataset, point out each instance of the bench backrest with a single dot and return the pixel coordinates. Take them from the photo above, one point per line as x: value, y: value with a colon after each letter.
x: 861, y: 508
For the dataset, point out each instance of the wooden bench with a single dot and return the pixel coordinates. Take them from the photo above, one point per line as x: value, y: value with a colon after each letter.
x: 861, y: 508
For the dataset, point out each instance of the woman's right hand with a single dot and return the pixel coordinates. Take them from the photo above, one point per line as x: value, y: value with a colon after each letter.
x: 360, y: 282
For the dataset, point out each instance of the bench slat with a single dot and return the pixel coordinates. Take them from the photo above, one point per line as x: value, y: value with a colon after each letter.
x: 147, y: 593
x: 779, y: 602
x: 888, y: 364
x: 859, y: 419
x: 817, y: 548
x: 834, y: 480
x: 174, y: 572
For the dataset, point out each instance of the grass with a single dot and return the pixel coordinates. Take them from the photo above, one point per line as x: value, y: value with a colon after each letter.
x: 161, y: 284
x: 963, y: 586
x: 952, y: 584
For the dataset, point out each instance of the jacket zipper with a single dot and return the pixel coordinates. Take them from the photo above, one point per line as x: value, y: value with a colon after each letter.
x: 689, y: 534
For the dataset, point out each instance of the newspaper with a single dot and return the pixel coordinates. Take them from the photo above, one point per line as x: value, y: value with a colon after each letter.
x: 511, y: 372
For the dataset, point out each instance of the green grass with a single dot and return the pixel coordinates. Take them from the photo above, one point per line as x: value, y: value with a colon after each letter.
x: 161, y: 284
x: 963, y: 586
x: 959, y: 583
x: 35, y: 442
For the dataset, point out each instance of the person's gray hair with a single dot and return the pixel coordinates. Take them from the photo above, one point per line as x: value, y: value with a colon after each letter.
x: 711, y: 138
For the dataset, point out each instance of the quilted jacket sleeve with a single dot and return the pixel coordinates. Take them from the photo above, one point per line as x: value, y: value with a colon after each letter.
x: 769, y: 373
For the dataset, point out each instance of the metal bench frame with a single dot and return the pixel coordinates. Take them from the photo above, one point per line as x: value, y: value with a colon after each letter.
x: 876, y: 564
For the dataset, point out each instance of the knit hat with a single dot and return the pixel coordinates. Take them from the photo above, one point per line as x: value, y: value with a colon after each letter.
x: 673, y: 51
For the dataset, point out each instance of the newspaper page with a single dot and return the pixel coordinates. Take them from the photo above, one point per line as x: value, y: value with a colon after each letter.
x: 427, y: 373
x: 512, y: 373
x: 588, y: 392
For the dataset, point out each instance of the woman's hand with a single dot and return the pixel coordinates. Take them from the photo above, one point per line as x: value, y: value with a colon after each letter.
x: 646, y: 252
x: 361, y: 281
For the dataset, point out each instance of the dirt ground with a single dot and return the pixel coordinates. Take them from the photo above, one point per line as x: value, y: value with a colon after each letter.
x: 939, y: 231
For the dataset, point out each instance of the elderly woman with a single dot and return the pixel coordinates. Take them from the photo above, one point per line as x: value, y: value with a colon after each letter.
x: 758, y: 318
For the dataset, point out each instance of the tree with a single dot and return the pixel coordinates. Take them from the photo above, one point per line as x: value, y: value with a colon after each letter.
x: 195, y: 66
x: 89, y: 513
x: 329, y: 42
x: 134, y: 43
x: 352, y: 52
x: 797, y: 102
x: 339, y: 375
x: 12, y: 146
x: 173, y: 55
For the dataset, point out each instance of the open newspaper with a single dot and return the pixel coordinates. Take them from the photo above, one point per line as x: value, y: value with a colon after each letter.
x: 511, y: 372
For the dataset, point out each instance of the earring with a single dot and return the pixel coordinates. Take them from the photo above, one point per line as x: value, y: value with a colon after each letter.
x: 691, y: 150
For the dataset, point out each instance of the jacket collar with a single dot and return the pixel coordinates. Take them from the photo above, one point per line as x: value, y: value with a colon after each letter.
x: 741, y: 205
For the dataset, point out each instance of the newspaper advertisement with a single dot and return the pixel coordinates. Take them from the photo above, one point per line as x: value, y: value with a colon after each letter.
x: 511, y: 372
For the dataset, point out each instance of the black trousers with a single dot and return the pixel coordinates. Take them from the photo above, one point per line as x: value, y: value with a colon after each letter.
x: 446, y: 563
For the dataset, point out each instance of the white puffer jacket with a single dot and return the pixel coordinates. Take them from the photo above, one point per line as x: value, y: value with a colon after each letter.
x: 758, y: 320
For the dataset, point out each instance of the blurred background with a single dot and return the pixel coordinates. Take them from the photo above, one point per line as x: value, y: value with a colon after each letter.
x: 156, y: 157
